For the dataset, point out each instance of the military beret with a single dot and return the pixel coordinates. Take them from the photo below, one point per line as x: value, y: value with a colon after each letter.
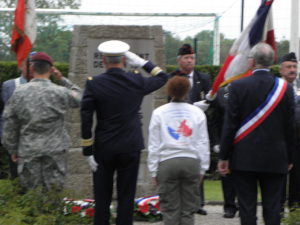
x: 186, y: 49
x: 113, y: 48
x: 42, y: 56
x: 289, y: 57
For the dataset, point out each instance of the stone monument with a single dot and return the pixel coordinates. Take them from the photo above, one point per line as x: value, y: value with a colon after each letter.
x: 85, y: 60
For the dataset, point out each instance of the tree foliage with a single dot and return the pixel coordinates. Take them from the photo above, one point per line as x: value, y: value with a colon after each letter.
x: 51, y: 36
x: 55, y: 39
x: 203, y: 44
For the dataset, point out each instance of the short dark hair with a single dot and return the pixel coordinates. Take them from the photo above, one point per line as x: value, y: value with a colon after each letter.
x: 41, y: 67
x: 113, y: 59
x: 178, y: 87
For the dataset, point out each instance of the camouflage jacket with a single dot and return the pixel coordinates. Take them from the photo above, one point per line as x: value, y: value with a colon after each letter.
x: 34, y: 117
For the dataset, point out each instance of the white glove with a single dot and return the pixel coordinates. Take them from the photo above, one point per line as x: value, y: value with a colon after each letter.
x: 134, y: 59
x: 202, y: 105
x: 210, y: 98
x: 216, y: 148
x: 92, y: 162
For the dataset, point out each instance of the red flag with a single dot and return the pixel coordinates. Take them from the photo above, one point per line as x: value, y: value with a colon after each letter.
x: 24, y: 30
x: 236, y: 63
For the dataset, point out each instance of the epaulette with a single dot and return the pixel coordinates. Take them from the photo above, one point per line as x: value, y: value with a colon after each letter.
x: 90, y: 78
x: 136, y: 72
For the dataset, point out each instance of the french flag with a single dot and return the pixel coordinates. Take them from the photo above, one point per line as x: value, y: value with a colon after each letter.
x: 236, y: 64
x: 24, y: 29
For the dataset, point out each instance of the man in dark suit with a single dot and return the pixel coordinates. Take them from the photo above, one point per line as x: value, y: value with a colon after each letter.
x: 116, y: 97
x: 258, y: 137
x: 288, y: 70
x: 200, y: 86
x: 218, y: 108
x: 200, y: 82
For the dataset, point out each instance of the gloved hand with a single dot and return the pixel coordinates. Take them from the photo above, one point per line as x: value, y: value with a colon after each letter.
x: 202, y: 105
x: 92, y: 162
x: 134, y: 60
x: 210, y: 97
x: 216, y: 148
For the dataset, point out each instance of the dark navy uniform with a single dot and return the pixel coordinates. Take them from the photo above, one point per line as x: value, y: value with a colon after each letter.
x: 201, y: 85
x: 218, y: 107
x: 263, y: 155
x: 294, y: 181
x: 116, y: 97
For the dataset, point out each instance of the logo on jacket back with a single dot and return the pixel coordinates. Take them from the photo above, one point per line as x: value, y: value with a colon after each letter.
x: 183, y: 130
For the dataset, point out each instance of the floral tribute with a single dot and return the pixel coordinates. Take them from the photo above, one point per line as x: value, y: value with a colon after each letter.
x: 147, y: 209
x: 83, y: 207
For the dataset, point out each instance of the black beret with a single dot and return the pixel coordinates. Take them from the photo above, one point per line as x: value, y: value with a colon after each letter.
x: 289, y: 57
x: 186, y: 49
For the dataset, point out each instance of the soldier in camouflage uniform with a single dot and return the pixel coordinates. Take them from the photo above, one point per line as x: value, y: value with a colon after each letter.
x: 34, y: 131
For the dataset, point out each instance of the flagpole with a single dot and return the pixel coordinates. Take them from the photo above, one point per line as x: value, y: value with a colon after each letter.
x: 294, y: 40
x: 242, y: 16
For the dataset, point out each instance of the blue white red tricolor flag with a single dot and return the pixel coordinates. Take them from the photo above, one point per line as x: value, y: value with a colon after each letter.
x: 260, y: 29
x: 24, y: 29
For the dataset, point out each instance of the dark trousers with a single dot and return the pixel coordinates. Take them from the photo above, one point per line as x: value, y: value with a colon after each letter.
x: 202, y: 199
x: 126, y: 166
x: 271, y: 191
x: 8, y: 168
x: 294, y: 178
x: 294, y: 186
x: 229, y: 193
x: 283, y: 195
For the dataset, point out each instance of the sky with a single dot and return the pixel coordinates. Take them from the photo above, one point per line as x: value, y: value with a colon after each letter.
x: 228, y: 10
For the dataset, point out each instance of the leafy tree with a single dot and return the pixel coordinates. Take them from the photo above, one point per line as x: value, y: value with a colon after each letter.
x: 204, y: 48
x: 282, y: 48
x: 171, y: 48
x: 54, y: 40
x: 51, y: 37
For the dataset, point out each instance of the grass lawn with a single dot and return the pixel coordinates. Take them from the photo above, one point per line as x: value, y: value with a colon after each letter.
x: 213, y: 190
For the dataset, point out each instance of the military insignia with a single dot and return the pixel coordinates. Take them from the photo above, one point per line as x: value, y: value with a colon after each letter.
x: 90, y: 78
x: 136, y: 72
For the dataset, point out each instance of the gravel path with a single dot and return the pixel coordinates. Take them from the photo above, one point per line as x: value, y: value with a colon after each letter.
x: 214, y: 217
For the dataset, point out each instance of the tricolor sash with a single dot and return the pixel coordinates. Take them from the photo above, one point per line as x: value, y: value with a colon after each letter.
x: 263, y: 111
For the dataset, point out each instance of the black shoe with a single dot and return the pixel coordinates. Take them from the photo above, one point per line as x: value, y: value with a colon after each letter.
x: 229, y: 214
x: 201, y: 212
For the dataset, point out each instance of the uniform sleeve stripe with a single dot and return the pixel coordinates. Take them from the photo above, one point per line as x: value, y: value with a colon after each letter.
x: 87, y: 142
x: 156, y: 70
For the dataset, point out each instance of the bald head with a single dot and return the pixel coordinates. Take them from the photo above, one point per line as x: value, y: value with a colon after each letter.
x: 263, y: 54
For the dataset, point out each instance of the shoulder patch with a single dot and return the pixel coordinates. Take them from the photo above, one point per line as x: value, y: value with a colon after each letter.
x: 90, y: 78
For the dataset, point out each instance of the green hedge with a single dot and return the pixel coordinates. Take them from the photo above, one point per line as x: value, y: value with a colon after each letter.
x: 9, y: 70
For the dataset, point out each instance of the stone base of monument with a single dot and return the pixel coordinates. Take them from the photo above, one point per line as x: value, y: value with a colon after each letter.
x: 79, y: 176
x: 85, y: 61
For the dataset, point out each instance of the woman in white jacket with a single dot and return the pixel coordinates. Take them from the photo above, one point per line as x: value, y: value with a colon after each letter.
x: 178, y: 154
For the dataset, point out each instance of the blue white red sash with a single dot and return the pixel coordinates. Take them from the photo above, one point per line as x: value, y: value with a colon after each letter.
x: 263, y: 111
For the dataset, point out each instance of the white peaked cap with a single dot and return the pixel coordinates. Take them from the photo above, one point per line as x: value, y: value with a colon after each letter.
x: 113, y: 48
